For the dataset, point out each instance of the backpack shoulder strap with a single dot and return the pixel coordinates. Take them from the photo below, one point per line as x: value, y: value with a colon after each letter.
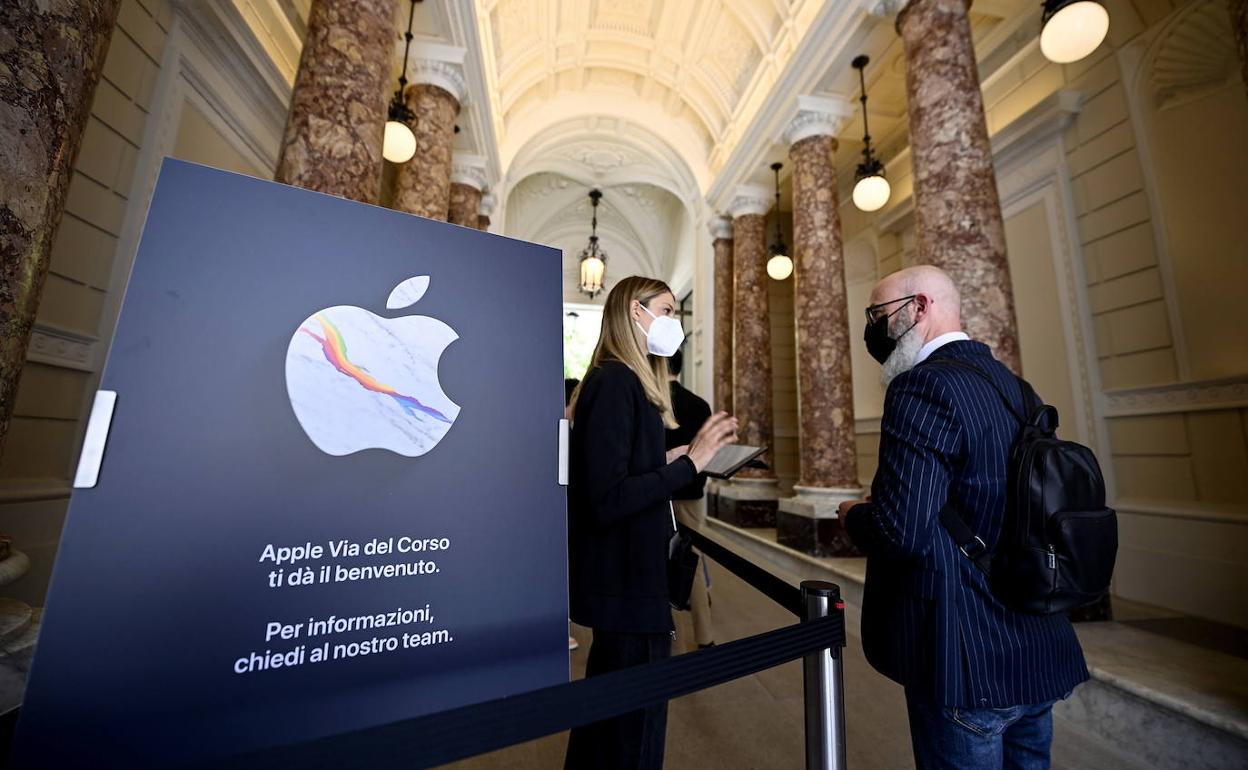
x: 1028, y: 393
x: 969, y: 543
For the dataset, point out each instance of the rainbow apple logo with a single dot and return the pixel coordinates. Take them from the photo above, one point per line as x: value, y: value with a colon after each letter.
x: 359, y: 381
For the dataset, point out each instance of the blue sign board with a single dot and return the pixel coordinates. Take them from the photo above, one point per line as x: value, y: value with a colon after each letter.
x: 329, y: 497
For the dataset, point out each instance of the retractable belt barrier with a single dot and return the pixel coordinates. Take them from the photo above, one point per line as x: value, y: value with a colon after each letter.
x: 777, y: 589
x: 436, y: 739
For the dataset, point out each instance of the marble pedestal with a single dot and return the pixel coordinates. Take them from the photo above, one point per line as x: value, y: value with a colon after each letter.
x: 744, y: 502
x: 808, y: 521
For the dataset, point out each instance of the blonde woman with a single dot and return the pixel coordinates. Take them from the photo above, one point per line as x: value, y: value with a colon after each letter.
x: 619, y: 514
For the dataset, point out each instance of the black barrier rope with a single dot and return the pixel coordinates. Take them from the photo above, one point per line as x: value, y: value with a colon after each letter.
x: 778, y: 590
x: 446, y: 736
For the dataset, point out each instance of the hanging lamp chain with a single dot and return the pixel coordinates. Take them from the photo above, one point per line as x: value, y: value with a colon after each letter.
x: 860, y: 64
x: 398, y: 108
x: 870, y: 166
x: 778, y: 247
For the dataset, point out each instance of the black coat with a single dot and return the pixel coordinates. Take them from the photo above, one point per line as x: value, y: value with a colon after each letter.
x: 691, y: 412
x: 619, y: 517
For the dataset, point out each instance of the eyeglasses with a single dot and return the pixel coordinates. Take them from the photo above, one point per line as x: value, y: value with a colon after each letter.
x: 876, y: 312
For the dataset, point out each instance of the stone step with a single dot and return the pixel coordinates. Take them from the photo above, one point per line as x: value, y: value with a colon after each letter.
x: 1158, y: 702
x: 14, y: 618
x: 16, y: 652
x: 22, y: 644
x: 14, y: 567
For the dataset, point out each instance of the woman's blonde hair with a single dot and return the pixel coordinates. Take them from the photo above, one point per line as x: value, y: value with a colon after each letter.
x: 621, y: 341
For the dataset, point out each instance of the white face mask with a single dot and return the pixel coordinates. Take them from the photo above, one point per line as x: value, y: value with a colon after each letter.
x: 665, y: 336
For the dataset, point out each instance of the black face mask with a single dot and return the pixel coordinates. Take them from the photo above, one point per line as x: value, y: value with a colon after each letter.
x: 879, y: 344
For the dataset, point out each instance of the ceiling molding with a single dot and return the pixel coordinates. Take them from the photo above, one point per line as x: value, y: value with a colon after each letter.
x: 582, y: 147
x: 250, y: 61
x: 638, y: 223
x: 824, y: 42
x: 478, y: 121
x: 690, y: 65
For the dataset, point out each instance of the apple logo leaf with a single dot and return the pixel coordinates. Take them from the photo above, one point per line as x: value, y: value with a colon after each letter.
x: 408, y: 293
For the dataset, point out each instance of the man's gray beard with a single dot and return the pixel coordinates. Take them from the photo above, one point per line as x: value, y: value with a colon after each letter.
x: 903, y: 357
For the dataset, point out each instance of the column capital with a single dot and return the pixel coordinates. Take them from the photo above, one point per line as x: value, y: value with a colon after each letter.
x: 468, y: 169
x: 720, y: 227
x: 817, y: 116
x: 750, y: 199
x: 489, y: 202
x: 441, y: 66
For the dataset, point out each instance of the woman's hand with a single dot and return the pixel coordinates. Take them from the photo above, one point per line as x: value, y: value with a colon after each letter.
x: 716, y: 433
x: 676, y: 452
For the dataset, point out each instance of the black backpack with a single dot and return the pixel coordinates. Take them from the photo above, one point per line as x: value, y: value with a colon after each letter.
x: 1058, y: 541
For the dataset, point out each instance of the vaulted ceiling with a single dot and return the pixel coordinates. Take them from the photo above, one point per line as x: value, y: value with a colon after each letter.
x: 689, y: 67
x: 691, y: 58
x: 640, y: 225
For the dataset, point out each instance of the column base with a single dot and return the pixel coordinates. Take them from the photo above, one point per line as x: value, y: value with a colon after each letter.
x: 744, y: 502
x: 808, y: 521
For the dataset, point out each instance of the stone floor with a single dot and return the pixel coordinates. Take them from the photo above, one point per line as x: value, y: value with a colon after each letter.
x: 756, y: 722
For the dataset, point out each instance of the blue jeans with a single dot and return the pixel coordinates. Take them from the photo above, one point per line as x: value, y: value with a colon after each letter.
x: 1014, y: 738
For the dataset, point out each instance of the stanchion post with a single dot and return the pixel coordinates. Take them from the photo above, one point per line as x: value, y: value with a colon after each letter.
x: 823, y: 686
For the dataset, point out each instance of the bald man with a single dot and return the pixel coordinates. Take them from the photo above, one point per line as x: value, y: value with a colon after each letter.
x: 980, y: 678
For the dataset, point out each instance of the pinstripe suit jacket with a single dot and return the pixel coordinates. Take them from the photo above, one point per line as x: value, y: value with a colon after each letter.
x: 929, y: 621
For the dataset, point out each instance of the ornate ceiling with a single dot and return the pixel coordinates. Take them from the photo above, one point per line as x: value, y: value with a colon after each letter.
x: 666, y: 105
x: 640, y: 225
x: 687, y: 66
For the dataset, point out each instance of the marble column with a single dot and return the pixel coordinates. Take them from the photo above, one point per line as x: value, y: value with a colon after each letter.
x: 486, y: 210
x: 1239, y: 25
x: 827, y: 439
x: 721, y: 232
x: 332, y: 142
x: 468, y: 180
x: 423, y: 184
x: 957, y: 210
x: 749, y: 499
x: 51, y: 55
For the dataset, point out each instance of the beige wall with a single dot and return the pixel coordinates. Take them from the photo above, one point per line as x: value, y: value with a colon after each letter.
x: 784, y: 376
x: 67, y: 351
x: 1197, y: 139
x: 200, y: 141
x: 1111, y: 209
x: 1037, y: 305
x: 148, y: 104
x: 1154, y: 204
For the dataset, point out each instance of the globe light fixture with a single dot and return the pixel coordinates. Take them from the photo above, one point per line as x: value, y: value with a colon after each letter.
x: 1072, y: 29
x: 398, y: 143
x: 780, y: 264
x: 593, y: 258
x: 871, y: 189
